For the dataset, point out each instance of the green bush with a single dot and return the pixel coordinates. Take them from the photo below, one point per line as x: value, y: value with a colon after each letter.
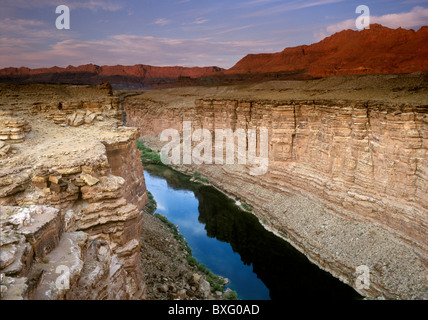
x: 148, y: 155
x: 205, y: 180
x: 192, y: 261
x: 246, y: 207
x: 151, y: 204
x: 231, y: 296
x: 165, y: 220
x: 197, y: 176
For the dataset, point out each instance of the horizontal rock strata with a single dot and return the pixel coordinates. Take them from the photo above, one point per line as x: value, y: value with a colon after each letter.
x: 346, y: 183
x: 70, y: 225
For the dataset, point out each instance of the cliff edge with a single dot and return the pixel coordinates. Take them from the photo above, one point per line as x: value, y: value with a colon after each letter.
x: 72, y: 193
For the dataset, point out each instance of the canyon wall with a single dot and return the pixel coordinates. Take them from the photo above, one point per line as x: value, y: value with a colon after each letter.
x: 346, y: 183
x: 72, y: 192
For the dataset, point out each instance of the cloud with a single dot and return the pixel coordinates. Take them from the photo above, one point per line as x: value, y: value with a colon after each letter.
x: 233, y: 29
x: 256, y: 2
x: 162, y: 22
x: 93, y: 5
x: 200, y: 21
x: 133, y: 49
x: 196, y: 22
x: 18, y: 26
x: 415, y: 1
x: 289, y: 6
x: 28, y: 30
x: 97, y: 5
x: 253, y: 3
x: 417, y: 17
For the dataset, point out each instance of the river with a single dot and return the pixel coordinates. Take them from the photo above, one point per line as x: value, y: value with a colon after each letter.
x: 232, y: 243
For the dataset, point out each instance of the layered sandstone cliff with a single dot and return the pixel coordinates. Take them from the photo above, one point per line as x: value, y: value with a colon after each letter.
x: 71, y: 196
x: 347, y: 180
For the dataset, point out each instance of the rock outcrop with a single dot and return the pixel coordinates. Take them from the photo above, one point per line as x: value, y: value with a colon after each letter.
x: 12, y: 129
x: 71, y: 197
x: 347, y: 179
x: 4, y: 149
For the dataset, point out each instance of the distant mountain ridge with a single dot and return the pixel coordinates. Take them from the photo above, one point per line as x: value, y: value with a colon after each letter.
x: 370, y: 51
x: 375, y: 50
x: 119, y: 76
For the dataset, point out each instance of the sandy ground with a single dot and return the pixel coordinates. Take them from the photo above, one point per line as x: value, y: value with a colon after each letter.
x: 391, y: 89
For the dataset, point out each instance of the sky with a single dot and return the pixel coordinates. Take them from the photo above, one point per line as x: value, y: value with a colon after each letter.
x: 180, y: 32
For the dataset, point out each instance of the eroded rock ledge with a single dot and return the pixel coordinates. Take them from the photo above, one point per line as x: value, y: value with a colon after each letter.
x: 348, y: 173
x: 71, y: 196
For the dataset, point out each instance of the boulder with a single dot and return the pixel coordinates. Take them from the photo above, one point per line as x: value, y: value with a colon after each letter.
x: 205, y: 288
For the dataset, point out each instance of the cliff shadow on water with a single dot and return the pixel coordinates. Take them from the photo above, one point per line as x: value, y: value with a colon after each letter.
x: 286, y: 272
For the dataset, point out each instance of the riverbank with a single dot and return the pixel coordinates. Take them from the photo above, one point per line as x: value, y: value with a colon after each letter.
x: 170, y: 271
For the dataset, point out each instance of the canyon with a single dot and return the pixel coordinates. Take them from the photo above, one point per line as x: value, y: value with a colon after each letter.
x: 347, y: 178
x: 346, y: 183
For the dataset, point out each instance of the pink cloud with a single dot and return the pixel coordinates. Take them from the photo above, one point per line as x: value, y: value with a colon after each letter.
x: 132, y: 49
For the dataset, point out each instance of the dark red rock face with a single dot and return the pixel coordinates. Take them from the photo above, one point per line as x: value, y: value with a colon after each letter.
x: 375, y: 50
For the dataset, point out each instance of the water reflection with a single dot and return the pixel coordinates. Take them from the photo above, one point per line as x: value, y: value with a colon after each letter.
x: 234, y: 244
